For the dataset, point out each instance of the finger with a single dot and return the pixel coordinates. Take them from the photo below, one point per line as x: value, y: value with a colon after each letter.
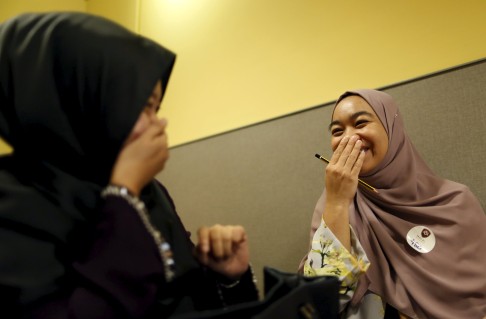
x: 337, y: 153
x: 359, y: 163
x: 353, y: 154
x: 155, y: 137
x: 163, y: 121
x: 161, y: 124
x: 203, y: 239
x: 202, y: 248
x: 161, y: 140
x: 151, y: 132
x: 216, y: 241
x: 227, y: 241
x: 348, y: 150
x: 238, y: 234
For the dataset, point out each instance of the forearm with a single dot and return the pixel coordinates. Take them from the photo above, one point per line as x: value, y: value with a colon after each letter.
x: 336, y: 217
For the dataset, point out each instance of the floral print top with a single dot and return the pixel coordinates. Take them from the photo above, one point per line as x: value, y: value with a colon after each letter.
x: 328, y: 256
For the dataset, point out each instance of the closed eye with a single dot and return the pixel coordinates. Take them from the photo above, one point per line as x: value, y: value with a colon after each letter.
x: 361, y: 123
x: 336, y: 131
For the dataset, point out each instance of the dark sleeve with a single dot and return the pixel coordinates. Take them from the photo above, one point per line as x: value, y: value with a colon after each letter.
x: 244, y: 291
x: 172, y: 205
x: 213, y: 291
x: 120, y: 271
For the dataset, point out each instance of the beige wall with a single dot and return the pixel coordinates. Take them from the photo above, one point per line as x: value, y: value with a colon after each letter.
x: 266, y: 178
x: 242, y: 62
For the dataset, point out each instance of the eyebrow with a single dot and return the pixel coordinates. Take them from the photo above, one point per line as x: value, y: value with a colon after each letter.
x: 353, y: 117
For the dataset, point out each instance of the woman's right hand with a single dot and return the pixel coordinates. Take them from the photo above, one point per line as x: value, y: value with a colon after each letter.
x: 341, y: 184
x: 343, y: 170
x: 142, y: 158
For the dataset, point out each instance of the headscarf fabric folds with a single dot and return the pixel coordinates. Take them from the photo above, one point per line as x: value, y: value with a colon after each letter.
x: 72, y: 85
x: 450, y: 280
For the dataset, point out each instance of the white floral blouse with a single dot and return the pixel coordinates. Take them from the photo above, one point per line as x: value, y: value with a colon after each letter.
x: 328, y: 256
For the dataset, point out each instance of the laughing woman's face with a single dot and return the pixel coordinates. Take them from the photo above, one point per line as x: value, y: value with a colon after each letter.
x: 354, y: 116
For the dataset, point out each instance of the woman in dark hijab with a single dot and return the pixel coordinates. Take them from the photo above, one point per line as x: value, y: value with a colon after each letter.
x: 85, y: 230
x: 416, y: 248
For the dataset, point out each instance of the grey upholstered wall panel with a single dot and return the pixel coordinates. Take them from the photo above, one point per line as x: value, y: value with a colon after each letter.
x: 266, y: 177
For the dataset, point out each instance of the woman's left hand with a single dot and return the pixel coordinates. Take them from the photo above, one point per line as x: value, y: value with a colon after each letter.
x: 224, y: 249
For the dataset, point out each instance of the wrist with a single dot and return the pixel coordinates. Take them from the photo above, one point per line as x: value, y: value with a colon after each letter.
x: 130, y: 187
x: 120, y: 191
x: 232, y: 281
x: 337, y: 207
x: 228, y: 279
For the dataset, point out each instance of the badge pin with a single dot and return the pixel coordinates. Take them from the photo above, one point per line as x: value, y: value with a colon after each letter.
x: 421, y: 238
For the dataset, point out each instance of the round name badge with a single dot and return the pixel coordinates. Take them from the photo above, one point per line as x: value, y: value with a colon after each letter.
x: 421, y: 238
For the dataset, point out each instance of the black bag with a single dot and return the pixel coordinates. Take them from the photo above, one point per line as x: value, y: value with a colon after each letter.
x: 287, y: 296
x: 295, y: 296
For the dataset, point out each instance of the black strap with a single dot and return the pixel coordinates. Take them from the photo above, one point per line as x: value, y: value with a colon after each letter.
x: 391, y: 313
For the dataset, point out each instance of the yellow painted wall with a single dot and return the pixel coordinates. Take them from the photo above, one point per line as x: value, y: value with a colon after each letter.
x: 242, y: 62
x: 9, y: 8
x: 125, y: 12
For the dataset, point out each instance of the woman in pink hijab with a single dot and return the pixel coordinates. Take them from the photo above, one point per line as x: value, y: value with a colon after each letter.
x: 416, y: 248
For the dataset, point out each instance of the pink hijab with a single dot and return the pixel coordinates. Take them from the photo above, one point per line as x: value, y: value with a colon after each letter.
x: 450, y: 280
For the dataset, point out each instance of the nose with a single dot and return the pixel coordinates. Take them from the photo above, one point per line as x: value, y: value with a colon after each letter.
x: 352, y: 131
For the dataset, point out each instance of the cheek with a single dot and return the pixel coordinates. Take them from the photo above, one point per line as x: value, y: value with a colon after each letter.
x: 335, y: 142
x: 384, y: 148
x: 383, y: 141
